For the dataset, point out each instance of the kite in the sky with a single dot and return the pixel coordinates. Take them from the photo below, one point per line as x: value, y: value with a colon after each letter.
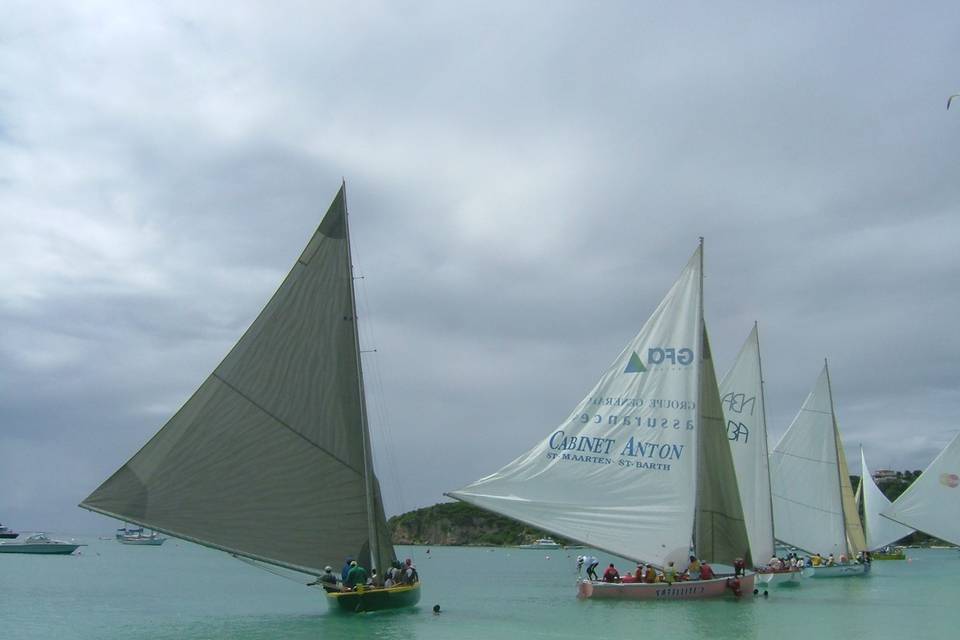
x: 950, y: 99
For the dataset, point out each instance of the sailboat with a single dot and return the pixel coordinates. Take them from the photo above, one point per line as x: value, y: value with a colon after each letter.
x: 879, y: 532
x: 138, y: 537
x: 270, y: 458
x: 813, y: 503
x: 745, y: 410
x: 932, y: 503
x: 641, y: 468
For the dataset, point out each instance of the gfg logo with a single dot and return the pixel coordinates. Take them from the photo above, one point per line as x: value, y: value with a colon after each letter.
x: 659, y: 355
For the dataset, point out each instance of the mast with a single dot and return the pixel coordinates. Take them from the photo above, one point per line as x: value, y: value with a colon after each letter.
x: 766, y: 450
x: 699, y: 424
x: 364, y: 427
x: 836, y: 448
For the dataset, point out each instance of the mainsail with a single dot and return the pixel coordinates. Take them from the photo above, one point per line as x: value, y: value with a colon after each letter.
x: 741, y: 391
x: 641, y: 466
x: 932, y: 503
x: 879, y: 531
x: 813, y: 506
x: 269, y: 459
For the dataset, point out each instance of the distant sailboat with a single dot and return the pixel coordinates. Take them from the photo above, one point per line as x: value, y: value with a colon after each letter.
x: 745, y: 410
x: 879, y: 532
x: 813, y: 503
x: 932, y: 503
x: 641, y: 468
x: 270, y: 458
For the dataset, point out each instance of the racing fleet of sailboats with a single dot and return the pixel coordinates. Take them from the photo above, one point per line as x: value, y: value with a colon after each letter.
x: 657, y: 463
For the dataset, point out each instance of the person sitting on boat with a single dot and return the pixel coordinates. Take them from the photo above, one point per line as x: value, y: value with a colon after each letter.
x: 670, y: 573
x: 592, y: 564
x: 775, y: 563
x: 843, y: 558
x: 650, y: 575
x: 409, y: 573
x: 706, y: 572
x: 356, y: 577
x: 816, y: 560
x: 830, y: 561
x: 611, y: 574
x: 693, y: 569
x: 327, y: 581
x: 346, y: 569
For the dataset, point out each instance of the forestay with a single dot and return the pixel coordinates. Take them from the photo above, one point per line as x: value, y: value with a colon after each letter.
x: 266, y: 459
x: 620, y: 473
x: 743, y: 405
x: 932, y: 503
x: 879, y: 531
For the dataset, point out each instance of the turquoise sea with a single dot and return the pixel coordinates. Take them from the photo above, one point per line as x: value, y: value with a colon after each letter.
x: 181, y: 590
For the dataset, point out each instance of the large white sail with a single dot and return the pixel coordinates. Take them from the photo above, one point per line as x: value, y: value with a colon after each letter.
x: 741, y: 391
x: 620, y: 473
x: 267, y: 458
x: 879, y: 531
x: 805, y: 478
x: 932, y: 503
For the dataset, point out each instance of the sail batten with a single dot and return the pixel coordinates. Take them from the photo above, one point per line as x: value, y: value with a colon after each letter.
x: 265, y: 460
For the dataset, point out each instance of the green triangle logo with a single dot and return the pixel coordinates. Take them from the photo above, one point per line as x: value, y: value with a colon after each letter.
x: 635, y: 365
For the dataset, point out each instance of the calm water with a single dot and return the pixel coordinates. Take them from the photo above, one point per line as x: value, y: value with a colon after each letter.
x: 181, y: 590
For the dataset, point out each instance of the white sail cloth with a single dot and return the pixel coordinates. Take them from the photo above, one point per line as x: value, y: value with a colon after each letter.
x: 809, y: 492
x: 621, y: 472
x: 932, y: 503
x: 741, y: 392
x: 879, y: 531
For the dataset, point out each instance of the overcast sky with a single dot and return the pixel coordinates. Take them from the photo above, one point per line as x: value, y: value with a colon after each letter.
x: 525, y: 181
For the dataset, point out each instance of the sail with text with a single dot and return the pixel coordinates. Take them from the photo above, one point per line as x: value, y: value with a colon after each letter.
x: 641, y: 467
x: 741, y: 392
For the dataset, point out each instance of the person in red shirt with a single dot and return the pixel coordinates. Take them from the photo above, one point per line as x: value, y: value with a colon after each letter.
x: 706, y: 572
x: 611, y: 574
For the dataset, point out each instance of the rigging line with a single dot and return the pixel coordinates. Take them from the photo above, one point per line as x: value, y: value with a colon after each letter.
x: 268, y: 569
x: 383, y: 424
x: 282, y: 423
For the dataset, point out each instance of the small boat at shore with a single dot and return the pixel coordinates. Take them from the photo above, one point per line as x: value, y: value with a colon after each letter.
x: 139, y: 537
x: 41, y: 544
x: 542, y: 543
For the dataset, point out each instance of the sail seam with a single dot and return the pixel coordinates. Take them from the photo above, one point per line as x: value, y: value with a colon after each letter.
x: 793, y: 455
x: 282, y: 423
x: 809, y: 506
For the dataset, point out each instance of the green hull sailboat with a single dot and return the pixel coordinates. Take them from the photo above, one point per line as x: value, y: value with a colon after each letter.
x: 270, y: 458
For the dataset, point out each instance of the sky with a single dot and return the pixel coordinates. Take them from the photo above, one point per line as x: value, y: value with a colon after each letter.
x: 525, y: 182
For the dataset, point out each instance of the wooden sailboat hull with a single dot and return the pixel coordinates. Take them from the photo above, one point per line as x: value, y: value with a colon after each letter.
x: 841, y: 571
x: 684, y: 590
x: 376, y: 599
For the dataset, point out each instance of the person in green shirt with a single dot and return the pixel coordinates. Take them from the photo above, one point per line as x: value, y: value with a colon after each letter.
x: 356, y: 577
